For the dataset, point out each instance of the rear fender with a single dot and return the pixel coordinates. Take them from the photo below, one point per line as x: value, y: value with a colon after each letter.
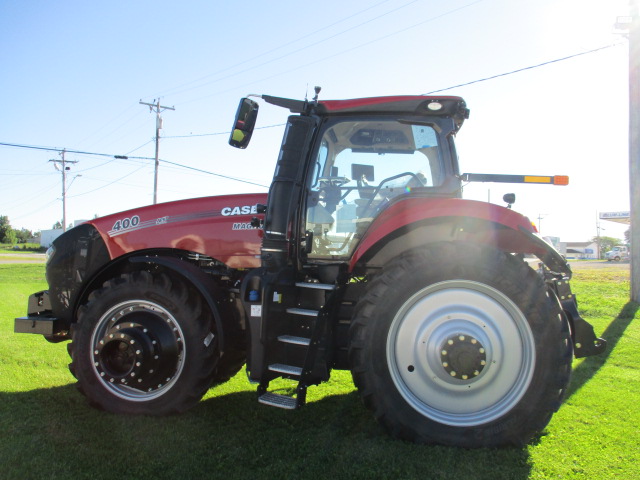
x: 414, y: 222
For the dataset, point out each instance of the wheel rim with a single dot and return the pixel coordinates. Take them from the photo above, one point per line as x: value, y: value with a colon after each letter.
x: 461, y: 353
x: 137, y: 350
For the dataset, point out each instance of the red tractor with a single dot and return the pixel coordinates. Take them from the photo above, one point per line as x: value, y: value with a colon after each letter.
x: 363, y: 256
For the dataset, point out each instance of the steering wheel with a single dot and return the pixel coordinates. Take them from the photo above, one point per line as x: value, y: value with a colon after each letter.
x: 379, y: 187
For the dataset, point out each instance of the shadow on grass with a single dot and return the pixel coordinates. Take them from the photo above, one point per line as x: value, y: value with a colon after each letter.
x: 53, y: 433
x: 590, y: 366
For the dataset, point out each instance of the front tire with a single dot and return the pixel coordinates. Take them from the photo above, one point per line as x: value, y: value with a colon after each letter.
x: 144, y: 344
x: 459, y: 344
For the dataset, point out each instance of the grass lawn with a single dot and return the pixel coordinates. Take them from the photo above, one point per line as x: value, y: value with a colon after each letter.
x: 47, y: 430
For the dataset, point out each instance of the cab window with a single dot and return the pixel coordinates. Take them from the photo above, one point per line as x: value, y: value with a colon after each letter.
x: 360, y: 167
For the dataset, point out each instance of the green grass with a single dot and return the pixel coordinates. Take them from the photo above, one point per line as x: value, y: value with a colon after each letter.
x: 22, y: 247
x: 47, y: 430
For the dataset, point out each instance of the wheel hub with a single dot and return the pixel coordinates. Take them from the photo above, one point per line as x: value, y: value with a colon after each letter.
x: 139, y: 347
x: 128, y: 356
x: 463, y: 356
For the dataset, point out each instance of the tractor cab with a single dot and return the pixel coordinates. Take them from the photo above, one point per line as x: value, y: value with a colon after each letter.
x: 341, y: 164
x: 344, y: 162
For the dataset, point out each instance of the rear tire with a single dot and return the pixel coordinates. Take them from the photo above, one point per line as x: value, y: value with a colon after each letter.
x: 144, y: 344
x: 459, y: 344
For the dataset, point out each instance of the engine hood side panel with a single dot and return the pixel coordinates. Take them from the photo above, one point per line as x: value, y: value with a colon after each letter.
x: 218, y: 227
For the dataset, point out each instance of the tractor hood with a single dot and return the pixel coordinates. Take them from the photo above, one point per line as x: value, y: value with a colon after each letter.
x: 218, y: 227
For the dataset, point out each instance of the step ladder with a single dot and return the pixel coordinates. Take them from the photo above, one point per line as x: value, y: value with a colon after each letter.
x: 309, y: 345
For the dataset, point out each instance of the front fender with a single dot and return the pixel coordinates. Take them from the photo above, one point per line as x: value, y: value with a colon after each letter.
x: 198, y: 279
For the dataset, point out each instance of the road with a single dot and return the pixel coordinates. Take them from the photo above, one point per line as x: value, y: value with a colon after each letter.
x: 21, y: 257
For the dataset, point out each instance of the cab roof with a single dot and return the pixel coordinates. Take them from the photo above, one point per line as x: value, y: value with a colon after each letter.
x: 449, y: 106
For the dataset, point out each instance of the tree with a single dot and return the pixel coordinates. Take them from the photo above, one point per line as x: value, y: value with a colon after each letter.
x: 23, y: 235
x: 10, y: 237
x: 6, y: 232
x: 57, y: 225
x: 606, y: 244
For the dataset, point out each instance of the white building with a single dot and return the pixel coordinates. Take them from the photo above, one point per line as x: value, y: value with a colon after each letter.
x: 579, y: 250
x: 48, y: 236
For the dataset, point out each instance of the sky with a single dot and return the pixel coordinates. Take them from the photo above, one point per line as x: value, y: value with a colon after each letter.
x: 73, y: 74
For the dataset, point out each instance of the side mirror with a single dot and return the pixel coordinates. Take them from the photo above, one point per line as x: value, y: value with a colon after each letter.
x: 244, y: 123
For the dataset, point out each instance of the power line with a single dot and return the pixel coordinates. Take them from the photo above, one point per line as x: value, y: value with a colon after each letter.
x: 219, y: 133
x: 79, y: 152
x: 215, y: 174
x: 124, y: 157
x: 328, y: 57
x: 173, y: 91
x: 525, y: 68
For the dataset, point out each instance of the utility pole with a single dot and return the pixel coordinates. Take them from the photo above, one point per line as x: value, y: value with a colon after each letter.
x: 540, y: 217
x: 634, y: 148
x: 598, y: 229
x: 158, y: 109
x: 64, y: 170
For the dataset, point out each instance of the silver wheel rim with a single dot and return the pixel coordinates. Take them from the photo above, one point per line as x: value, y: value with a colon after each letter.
x: 153, y: 350
x: 484, y: 331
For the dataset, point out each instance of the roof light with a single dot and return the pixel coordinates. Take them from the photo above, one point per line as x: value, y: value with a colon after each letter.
x: 434, y: 106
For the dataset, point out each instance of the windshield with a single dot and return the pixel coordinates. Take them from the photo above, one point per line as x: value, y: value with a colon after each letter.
x: 360, y: 167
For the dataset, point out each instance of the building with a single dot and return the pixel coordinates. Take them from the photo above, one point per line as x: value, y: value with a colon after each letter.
x: 579, y: 250
x: 48, y: 236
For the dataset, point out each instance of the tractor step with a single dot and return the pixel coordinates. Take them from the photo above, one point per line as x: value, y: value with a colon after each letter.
x: 286, y: 369
x: 294, y: 340
x: 277, y: 400
x: 303, y: 311
x: 316, y: 286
